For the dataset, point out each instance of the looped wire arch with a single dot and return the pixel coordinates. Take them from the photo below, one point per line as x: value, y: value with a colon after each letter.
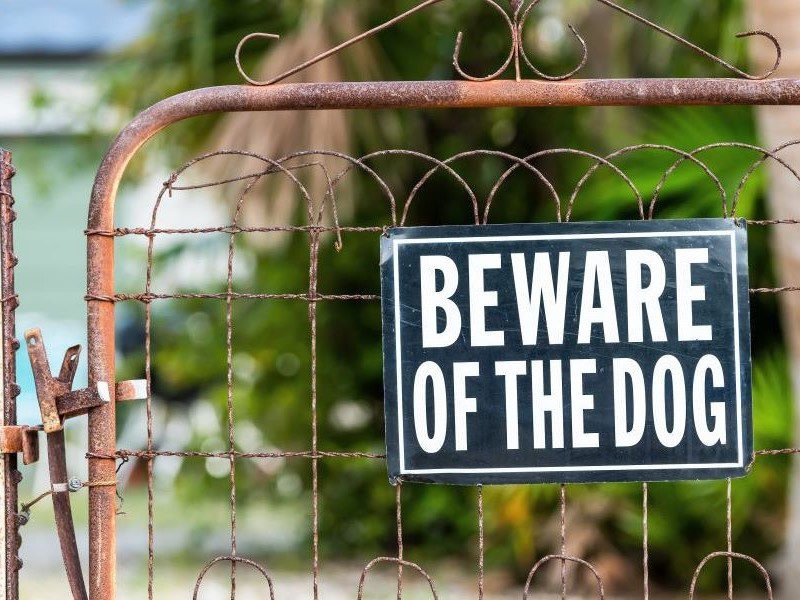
x: 563, y: 557
x: 521, y: 162
x: 730, y: 555
x: 525, y: 161
x: 766, y: 155
x: 233, y: 559
x: 516, y: 23
x: 284, y: 165
x: 446, y: 165
x: 614, y: 168
x: 399, y: 562
x: 353, y: 163
x: 684, y: 156
x: 439, y: 164
x: 275, y: 166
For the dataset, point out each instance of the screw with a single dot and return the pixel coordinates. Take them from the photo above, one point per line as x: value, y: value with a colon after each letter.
x: 74, y: 484
x: 23, y: 517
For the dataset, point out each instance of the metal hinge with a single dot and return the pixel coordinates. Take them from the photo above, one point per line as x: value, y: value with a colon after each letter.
x: 15, y: 439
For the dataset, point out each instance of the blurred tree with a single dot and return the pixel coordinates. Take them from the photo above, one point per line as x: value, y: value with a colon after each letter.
x: 779, y: 125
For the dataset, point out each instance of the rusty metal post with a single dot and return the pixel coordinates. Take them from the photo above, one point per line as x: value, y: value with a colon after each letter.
x: 102, y: 424
x: 9, y: 561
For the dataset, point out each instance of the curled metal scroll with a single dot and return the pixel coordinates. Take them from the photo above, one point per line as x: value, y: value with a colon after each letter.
x: 512, y: 56
x: 705, y: 53
x: 515, y: 21
x: 521, y: 20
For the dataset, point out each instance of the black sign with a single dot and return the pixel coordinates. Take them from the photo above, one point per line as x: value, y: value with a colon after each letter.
x: 615, y: 351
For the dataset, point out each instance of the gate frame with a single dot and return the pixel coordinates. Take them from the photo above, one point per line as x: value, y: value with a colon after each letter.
x: 322, y: 96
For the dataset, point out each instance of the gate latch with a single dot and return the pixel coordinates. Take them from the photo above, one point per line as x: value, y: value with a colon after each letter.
x: 57, y: 401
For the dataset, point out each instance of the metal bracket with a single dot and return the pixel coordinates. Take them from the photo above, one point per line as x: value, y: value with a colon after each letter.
x: 134, y: 389
x: 20, y: 438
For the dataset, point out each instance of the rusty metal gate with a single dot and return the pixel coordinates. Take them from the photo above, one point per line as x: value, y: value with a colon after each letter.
x: 323, y: 223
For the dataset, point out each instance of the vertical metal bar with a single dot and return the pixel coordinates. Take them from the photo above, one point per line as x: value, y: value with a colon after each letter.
x: 563, y: 503
x: 102, y: 425
x: 399, y: 519
x: 9, y: 562
x: 729, y: 535
x: 646, y: 539
x: 481, y: 545
x: 314, y: 237
x: 229, y: 385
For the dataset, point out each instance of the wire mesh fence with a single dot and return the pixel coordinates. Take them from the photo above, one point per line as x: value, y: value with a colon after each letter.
x: 317, y: 179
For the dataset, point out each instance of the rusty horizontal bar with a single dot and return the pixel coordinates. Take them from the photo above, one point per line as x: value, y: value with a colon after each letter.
x: 79, y: 402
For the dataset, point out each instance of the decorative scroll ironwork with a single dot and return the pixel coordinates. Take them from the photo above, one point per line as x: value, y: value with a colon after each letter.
x: 516, y: 21
x: 294, y: 167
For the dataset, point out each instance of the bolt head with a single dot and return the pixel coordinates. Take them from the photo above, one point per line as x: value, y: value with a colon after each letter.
x: 74, y: 484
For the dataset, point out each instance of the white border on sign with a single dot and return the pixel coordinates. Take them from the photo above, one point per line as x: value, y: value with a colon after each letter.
x: 580, y: 236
